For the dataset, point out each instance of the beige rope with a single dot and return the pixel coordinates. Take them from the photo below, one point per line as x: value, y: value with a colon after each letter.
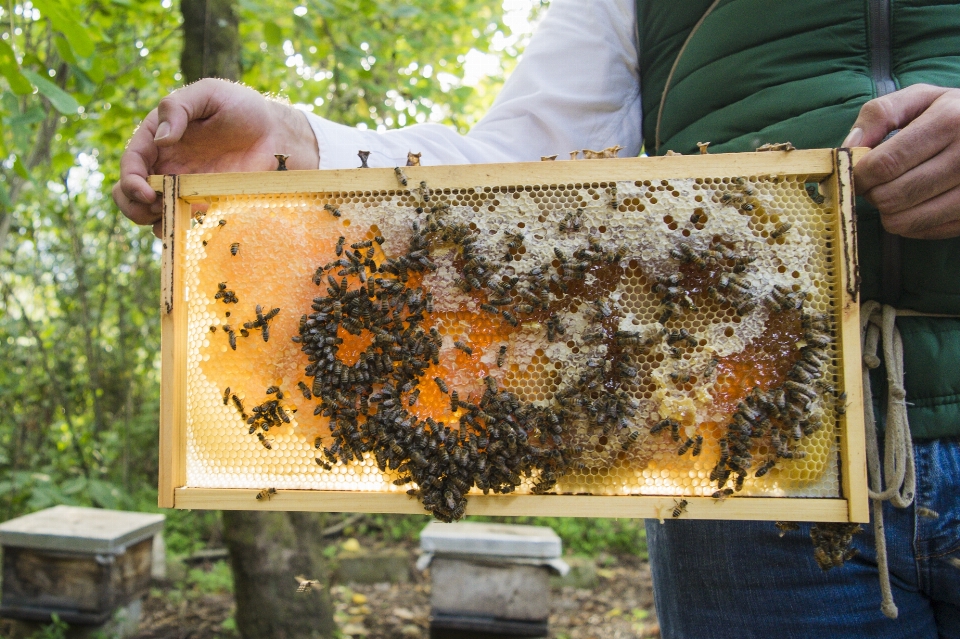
x: 878, y: 326
x: 676, y: 62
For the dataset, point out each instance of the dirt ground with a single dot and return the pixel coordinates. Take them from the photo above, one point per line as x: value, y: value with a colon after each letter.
x: 620, y: 606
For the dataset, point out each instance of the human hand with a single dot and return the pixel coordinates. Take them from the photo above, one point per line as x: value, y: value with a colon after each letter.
x: 914, y: 177
x: 208, y: 127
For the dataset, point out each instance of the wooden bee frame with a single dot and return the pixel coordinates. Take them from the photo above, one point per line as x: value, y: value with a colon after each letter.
x: 832, y: 169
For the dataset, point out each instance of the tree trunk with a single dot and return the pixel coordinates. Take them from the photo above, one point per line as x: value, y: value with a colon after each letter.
x: 267, y: 549
x: 211, y: 40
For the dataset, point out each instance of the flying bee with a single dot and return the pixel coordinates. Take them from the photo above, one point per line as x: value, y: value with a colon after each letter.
x: 334, y: 211
x: 463, y: 347
x: 226, y: 396
x: 266, y: 494
x: 680, y: 508
x: 781, y: 230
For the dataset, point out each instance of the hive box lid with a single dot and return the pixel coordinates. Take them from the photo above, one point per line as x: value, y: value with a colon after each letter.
x: 501, y: 540
x: 69, y: 528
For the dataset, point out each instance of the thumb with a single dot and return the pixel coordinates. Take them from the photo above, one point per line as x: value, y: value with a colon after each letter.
x: 880, y: 116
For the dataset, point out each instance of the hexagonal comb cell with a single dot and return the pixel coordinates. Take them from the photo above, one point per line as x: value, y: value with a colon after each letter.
x: 667, y: 337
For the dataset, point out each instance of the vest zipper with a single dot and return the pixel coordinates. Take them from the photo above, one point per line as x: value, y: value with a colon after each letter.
x: 881, y: 71
x: 880, y: 67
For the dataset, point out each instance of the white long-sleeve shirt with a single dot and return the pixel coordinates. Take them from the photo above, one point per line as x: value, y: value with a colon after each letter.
x: 577, y: 86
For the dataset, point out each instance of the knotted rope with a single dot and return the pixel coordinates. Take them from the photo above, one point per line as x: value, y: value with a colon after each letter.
x: 897, y: 484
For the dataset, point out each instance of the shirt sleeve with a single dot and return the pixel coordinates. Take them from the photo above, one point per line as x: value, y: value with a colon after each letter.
x: 577, y: 86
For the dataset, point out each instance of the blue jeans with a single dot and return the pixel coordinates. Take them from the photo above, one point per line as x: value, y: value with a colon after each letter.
x: 715, y: 579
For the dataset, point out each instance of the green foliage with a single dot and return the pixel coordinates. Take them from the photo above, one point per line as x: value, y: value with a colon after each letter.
x: 215, y: 581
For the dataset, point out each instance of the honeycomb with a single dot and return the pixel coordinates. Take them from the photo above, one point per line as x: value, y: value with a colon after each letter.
x: 652, y: 337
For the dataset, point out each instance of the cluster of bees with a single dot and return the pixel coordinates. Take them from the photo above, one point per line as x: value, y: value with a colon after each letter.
x: 831, y: 543
x: 369, y: 402
x: 777, y: 418
x: 269, y: 414
x: 262, y: 323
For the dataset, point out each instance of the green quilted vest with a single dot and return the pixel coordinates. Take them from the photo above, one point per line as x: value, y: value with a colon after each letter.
x: 759, y: 71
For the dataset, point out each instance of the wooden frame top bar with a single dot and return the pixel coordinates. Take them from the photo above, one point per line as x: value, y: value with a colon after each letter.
x: 814, y: 163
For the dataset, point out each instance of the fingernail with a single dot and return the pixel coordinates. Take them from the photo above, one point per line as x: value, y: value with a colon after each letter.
x: 142, y: 196
x: 162, y: 131
x: 853, y: 138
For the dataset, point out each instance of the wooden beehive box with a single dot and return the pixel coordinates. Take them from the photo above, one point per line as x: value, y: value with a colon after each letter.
x: 79, y: 563
x: 626, y: 337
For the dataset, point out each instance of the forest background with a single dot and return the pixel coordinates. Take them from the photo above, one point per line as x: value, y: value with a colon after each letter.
x: 79, y: 321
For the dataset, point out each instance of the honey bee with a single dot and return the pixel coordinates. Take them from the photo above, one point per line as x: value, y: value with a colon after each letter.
x: 304, y: 584
x: 267, y: 443
x: 697, y: 445
x: 413, y: 397
x: 266, y: 494
x: 781, y: 230
x: 454, y: 402
x: 234, y: 248
x: 221, y: 223
x: 305, y: 390
x: 401, y: 177
x: 334, y: 211
x: 226, y: 396
x: 463, y: 347
x: 765, y: 468
x: 322, y: 464
x: 272, y: 389
x: 233, y: 338
x: 441, y: 385
x: 710, y: 368
x: 680, y: 508
x: 680, y: 378
x: 786, y: 526
x: 631, y: 439
x: 720, y: 495
x: 501, y: 356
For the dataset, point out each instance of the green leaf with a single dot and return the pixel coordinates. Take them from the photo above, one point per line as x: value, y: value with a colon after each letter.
x: 61, y: 162
x: 20, y: 168
x: 11, y: 71
x: 63, y: 48
x: 272, y: 34
x: 66, y: 21
x: 5, y: 201
x: 60, y: 99
x: 32, y: 116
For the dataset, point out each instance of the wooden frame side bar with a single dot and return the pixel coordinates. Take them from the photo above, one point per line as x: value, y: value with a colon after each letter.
x: 631, y: 507
x: 173, y: 348
x: 816, y: 163
x: 853, y: 440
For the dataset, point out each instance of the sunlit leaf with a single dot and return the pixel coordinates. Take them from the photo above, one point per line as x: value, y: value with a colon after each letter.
x: 272, y: 34
x: 64, y: 18
x: 21, y: 168
x: 60, y: 99
x: 11, y: 71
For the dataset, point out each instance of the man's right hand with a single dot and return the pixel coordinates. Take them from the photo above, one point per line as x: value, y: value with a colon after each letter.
x: 210, y: 126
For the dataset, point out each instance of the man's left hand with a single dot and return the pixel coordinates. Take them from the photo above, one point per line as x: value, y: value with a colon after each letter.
x: 914, y: 177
